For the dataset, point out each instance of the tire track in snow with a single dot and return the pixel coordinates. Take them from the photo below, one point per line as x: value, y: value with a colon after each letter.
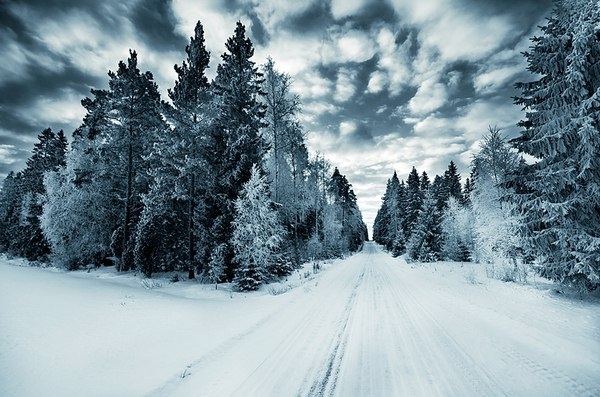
x: 301, y: 329
x: 326, y: 383
x: 314, y: 337
x: 175, y: 380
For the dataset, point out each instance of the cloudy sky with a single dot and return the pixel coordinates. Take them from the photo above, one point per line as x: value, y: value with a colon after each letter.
x: 385, y: 84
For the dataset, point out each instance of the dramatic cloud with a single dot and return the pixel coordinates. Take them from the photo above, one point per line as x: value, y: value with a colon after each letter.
x: 385, y: 84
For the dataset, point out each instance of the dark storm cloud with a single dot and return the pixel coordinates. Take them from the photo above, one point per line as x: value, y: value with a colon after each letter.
x: 259, y: 31
x: 314, y: 19
x: 527, y: 12
x: 379, y: 12
x: 155, y: 23
x: 15, y: 26
x: 107, y: 13
x: 19, y: 96
x: 363, y: 133
x: 47, y: 83
x: 20, y: 126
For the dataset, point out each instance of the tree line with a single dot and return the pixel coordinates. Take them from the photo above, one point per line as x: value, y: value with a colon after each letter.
x: 543, y: 212
x: 216, y: 182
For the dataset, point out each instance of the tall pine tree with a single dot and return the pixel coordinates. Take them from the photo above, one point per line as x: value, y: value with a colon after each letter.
x: 107, y: 171
x: 234, y: 143
x: 179, y: 165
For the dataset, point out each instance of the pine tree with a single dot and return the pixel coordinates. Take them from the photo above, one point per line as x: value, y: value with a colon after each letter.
x: 347, y: 230
x: 560, y: 195
x: 177, y: 157
x: 257, y: 233
x: 107, y: 172
x: 439, y: 192
x: 467, y: 191
x: 234, y: 142
x: 388, y: 229
x: 135, y: 103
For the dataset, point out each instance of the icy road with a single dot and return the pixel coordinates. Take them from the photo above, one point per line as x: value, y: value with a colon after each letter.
x: 370, y: 325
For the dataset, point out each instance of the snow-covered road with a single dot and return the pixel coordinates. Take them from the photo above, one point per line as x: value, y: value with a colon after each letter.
x: 371, y: 325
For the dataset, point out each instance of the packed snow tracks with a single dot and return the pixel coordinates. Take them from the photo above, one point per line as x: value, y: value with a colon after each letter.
x: 373, y: 326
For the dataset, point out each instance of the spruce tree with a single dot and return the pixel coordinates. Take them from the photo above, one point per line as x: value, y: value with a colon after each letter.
x: 257, y: 233
x: 467, y: 191
x: 452, y: 185
x: 425, y: 182
x: 414, y: 202
x: 425, y: 243
x: 9, y: 197
x: 388, y: 229
x: 559, y: 193
x: 351, y: 231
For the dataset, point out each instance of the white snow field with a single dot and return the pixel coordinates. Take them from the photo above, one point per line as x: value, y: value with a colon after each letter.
x: 370, y: 325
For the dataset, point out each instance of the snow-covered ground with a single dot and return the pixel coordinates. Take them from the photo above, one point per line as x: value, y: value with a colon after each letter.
x: 370, y: 325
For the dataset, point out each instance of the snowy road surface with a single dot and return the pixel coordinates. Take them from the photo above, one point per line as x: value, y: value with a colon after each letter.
x: 371, y: 325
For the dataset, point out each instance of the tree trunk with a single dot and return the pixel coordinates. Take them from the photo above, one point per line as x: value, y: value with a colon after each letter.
x: 191, y: 274
x: 125, y: 262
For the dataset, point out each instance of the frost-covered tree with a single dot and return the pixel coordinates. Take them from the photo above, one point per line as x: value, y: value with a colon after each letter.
x: 293, y: 199
x: 26, y: 194
x: 456, y: 226
x: 216, y: 265
x: 257, y: 234
x: 76, y: 219
x: 281, y: 109
x: 496, y: 238
x: 559, y: 193
x: 316, y: 193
